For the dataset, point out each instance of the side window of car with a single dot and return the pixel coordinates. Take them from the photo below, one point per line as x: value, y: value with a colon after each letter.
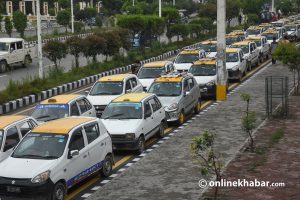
x: 82, y: 105
x: 77, y: 141
x: 133, y: 82
x: 191, y: 83
x: 158, y: 104
x: 92, y: 132
x: 147, y: 109
x: 186, y: 85
x: 88, y: 104
x: 19, y: 45
x: 13, y: 46
x: 153, y: 105
x: 74, y: 109
x: 25, y: 127
x: 12, y: 138
x: 127, y: 86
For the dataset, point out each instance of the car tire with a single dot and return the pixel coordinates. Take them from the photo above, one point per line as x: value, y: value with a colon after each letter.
x: 249, y: 66
x: 161, y: 131
x: 197, y: 108
x: 59, y: 191
x: 107, y: 166
x: 141, y: 145
x: 3, y: 66
x: 27, y: 61
x: 181, y: 119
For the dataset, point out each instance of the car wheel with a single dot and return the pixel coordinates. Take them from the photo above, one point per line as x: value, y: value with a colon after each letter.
x: 107, y: 166
x: 197, y: 108
x: 59, y: 191
x: 249, y: 66
x: 3, y: 66
x: 161, y: 131
x: 141, y: 145
x: 27, y: 61
x: 181, y: 119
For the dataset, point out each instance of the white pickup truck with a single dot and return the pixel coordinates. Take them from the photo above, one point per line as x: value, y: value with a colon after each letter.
x: 15, y: 51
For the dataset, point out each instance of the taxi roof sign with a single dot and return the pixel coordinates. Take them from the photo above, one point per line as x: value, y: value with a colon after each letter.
x: 156, y: 64
x: 132, y: 97
x: 61, y: 99
x: 114, y: 78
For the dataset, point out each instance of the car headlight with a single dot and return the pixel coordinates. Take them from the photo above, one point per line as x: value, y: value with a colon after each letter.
x: 42, y: 177
x: 130, y: 136
x: 173, y: 107
x: 211, y: 83
x: 234, y: 68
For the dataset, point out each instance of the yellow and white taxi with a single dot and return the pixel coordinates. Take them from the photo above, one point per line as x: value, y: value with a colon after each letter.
x: 185, y: 59
x: 235, y: 63
x: 12, y: 129
x: 271, y: 34
x: 54, y: 157
x: 292, y: 31
x: 210, y: 48
x: 266, y: 26
x: 132, y: 119
x: 150, y: 71
x: 263, y: 46
x: 232, y: 38
x: 63, y: 106
x: 240, y: 33
x: 254, y: 31
x: 110, y: 87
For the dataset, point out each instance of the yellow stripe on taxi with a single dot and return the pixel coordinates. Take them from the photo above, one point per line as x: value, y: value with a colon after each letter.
x: 61, y: 99
x: 132, y: 97
x: 114, y: 78
x: 156, y: 64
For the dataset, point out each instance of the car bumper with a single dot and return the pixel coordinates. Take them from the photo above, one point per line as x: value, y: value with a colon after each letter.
x: 24, y: 189
x: 172, y: 116
x: 207, y: 91
x: 99, y: 110
x: 233, y: 75
x: 122, y: 144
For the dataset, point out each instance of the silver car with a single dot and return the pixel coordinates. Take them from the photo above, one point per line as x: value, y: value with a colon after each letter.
x: 179, y: 94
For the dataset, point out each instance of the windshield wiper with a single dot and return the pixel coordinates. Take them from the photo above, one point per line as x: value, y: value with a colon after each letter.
x: 101, y: 93
x: 27, y: 156
x: 115, y: 115
x: 50, y: 157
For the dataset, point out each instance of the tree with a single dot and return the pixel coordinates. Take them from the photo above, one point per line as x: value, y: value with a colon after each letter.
x: 99, y: 21
x: 92, y: 46
x: 195, y: 29
x: 55, y: 51
x: 233, y: 8
x: 20, y: 22
x: 171, y: 15
x: 74, y: 47
x: 64, y: 4
x: 205, y: 22
x: 113, y: 43
x: 252, y: 6
x: 289, y: 54
x: 208, y: 10
x: 63, y: 18
x: 124, y: 35
x: 286, y: 6
x: 248, y: 120
x: 178, y: 30
x: 202, y: 148
x: 112, y: 6
x: 252, y: 19
x: 8, y: 26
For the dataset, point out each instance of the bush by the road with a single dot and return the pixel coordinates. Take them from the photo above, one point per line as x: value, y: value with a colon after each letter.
x: 55, y: 51
x: 63, y: 18
x: 20, y: 22
x: 8, y: 26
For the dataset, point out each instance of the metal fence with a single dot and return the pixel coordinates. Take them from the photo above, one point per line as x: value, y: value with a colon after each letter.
x: 276, y: 95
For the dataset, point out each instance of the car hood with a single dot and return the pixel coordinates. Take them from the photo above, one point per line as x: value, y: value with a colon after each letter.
x: 2, y: 53
x: 24, y: 168
x: 167, y: 101
x: 101, y: 99
x: 290, y: 32
x: 115, y: 126
x: 230, y: 65
x: 202, y: 80
x: 182, y: 66
x: 146, y: 82
x: 211, y: 54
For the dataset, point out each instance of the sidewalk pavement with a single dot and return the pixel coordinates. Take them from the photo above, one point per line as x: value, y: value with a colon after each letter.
x: 168, y: 171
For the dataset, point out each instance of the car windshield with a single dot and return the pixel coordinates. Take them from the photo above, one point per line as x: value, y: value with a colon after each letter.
x: 231, y: 40
x: 186, y: 58
x: 209, y: 47
x: 123, y: 111
x: 253, y: 32
x: 203, y: 70
x: 45, y: 146
x: 290, y: 28
x: 107, y: 88
x: 258, y: 43
x: 245, y: 48
x: 166, y: 88
x: 4, y: 46
x: 1, y: 137
x: 270, y: 36
x: 277, y: 24
x: 232, y: 57
x: 47, y: 112
x: 150, y: 72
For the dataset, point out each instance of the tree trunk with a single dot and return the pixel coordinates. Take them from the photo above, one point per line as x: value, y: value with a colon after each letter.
x: 77, y: 61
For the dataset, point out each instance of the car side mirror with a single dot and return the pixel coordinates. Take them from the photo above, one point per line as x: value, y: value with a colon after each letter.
x: 128, y: 91
x: 73, y: 153
x: 186, y: 93
x: 147, y: 115
x: 11, y: 50
x: 86, y: 92
x: 242, y: 59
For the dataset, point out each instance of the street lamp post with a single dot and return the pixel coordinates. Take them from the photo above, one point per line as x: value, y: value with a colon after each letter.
x: 174, y: 2
x: 132, y: 2
x: 221, y: 45
x: 72, y: 16
x: 159, y: 8
x: 39, y: 36
x: 273, y: 8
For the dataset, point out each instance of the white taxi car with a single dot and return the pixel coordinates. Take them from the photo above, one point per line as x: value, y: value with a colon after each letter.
x: 210, y: 48
x: 12, y: 129
x: 132, y: 119
x: 150, y: 71
x: 63, y: 106
x: 251, y: 52
x: 56, y: 156
x: 235, y: 63
x: 239, y: 33
x: 270, y: 34
x: 179, y: 94
x: 110, y: 87
x: 263, y: 46
x: 254, y: 31
x: 185, y: 59
x: 292, y: 31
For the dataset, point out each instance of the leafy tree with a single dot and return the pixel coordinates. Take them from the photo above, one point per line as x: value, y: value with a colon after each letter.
x: 20, y: 22
x: 135, y: 23
x: 248, y: 120
x: 93, y: 45
x: 171, y: 15
x: 55, y: 51
x: 232, y: 9
x: 112, y: 6
x: 189, y: 5
x: 205, y: 22
x: 178, y: 30
x: 63, y: 18
x: 195, y: 29
x: 90, y: 12
x: 252, y: 6
x: 99, y: 21
x: 124, y: 35
x: 64, y: 4
x: 252, y: 19
x: 113, y: 43
x: 74, y: 47
x: 286, y: 6
x: 208, y: 10
x: 8, y: 26
x: 202, y: 149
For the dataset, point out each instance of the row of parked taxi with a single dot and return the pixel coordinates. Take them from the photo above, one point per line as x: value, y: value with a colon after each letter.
x: 70, y: 137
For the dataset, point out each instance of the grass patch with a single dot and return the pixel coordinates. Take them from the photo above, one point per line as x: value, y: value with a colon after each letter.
x: 276, y: 136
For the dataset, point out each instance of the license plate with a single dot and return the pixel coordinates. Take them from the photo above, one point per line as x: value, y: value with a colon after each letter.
x: 13, y: 189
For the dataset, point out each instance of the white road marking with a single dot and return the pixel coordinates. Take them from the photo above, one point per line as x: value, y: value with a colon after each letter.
x: 105, y: 181
x: 128, y: 164
x: 3, y: 76
x: 113, y: 175
x: 122, y: 169
x: 137, y: 159
x: 86, y: 195
x: 96, y: 188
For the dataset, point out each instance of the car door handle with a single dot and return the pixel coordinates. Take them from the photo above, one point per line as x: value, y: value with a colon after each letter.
x: 84, y: 156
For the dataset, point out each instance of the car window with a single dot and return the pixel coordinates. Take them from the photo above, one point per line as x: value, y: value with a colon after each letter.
x: 92, y: 132
x: 186, y: 85
x: 82, y: 105
x: 133, y: 82
x: 241, y: 55
x: 147, y: 109
x: 158, y: 104
x: 127, y: 86
x: 25, y: 127
x: 153, y: 105
x: 13, y: 46
x: 12, y: 138
x: 191, y: 83
x: 74, y: 110
x: 77, y: 141
x: 88, y: 104
x: 19, y: 45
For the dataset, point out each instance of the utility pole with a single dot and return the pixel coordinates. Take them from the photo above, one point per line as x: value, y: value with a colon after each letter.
x: 273, y: 8
x: 221, y: 45
x: 132, y: 2
x: 159, y: 8
x: 39, y: 36
x: 174, y: 2
x: 72, y: 16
